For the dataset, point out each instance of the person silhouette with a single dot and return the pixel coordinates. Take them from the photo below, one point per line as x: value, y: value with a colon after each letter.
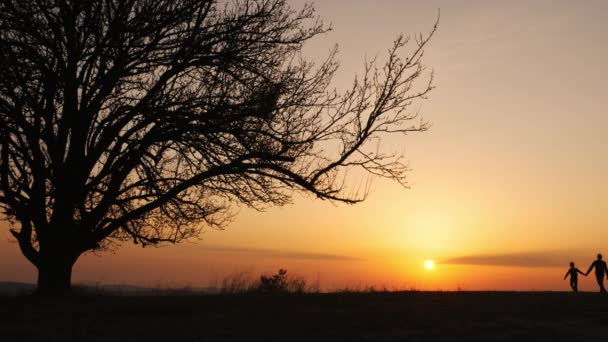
x: 573, y: 273
x: 600, y: 271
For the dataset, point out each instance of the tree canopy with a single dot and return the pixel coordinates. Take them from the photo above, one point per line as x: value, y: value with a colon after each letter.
x: 145, y: 120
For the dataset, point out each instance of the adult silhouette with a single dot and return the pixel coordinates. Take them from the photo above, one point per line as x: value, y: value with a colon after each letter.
x: 600, y: 271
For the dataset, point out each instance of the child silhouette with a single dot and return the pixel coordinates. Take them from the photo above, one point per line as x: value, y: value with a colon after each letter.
x: 573, y: 273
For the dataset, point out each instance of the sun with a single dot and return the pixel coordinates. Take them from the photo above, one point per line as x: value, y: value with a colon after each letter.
x: 429, y: 264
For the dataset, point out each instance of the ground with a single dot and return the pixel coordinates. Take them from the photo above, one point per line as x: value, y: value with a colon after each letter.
x: 401, y: 316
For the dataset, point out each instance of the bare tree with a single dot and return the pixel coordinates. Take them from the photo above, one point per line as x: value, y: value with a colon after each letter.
x: 145, y: 120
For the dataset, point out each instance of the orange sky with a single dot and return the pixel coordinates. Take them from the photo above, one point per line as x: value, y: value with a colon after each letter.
x: 514, y: 167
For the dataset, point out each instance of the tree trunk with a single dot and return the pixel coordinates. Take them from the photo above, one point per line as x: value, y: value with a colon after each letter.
x: 55, y: 276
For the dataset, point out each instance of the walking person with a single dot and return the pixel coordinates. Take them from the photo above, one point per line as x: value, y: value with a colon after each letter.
x: 600, y: 271
x: 573, y: 273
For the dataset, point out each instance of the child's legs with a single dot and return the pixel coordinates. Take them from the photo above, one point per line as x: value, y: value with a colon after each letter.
x: 574, y: 284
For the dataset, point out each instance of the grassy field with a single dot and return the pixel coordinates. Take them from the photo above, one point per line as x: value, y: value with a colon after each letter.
x: 401, y: 316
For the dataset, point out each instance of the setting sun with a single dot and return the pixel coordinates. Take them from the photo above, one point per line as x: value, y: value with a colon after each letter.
x: 458, y: 201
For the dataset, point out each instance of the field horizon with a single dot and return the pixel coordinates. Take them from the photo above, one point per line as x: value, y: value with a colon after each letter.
x: 10, y: 288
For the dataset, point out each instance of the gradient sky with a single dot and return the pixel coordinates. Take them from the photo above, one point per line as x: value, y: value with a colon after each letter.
x: 507, y: 187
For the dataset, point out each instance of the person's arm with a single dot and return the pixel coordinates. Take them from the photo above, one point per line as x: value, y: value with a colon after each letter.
x: 566, y: 276
x: 590, y: 268
x: 579, y: 271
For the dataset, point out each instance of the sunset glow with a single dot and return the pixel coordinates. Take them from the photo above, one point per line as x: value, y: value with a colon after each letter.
x: 505, y: 189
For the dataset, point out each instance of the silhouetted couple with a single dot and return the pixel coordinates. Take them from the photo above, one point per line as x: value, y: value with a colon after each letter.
x: 601, y: 270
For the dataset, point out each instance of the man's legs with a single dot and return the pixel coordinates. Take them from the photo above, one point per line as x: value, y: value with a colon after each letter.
x: 600, y: 282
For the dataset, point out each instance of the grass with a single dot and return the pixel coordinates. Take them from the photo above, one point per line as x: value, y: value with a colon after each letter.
x: 396, y: 316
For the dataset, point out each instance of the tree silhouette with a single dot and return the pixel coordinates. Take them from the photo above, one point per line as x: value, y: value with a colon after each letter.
x: 145, y: 120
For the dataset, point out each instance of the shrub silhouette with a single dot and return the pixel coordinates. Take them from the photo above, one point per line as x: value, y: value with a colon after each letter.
x: 281, y: 283
x: 276, y: 283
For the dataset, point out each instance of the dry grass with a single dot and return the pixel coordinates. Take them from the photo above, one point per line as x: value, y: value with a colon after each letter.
x: 372, y: 316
